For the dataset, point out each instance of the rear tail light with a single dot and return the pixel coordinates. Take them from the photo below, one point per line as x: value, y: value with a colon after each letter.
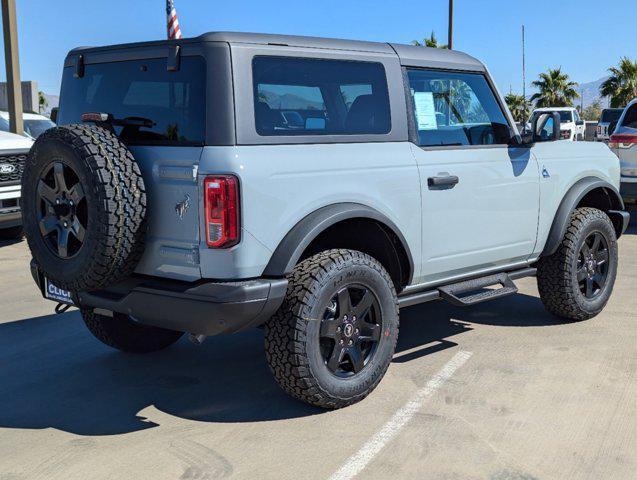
x: 565, y: 134
x: 221, y: 203
x: 623, y: 140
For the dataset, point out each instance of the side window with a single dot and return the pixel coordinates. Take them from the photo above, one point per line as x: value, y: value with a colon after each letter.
x: 454, y: 109
x: 630, y: 120
x: 300, y: 96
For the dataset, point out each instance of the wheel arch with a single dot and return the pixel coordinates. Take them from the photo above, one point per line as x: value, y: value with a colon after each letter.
x: 323, y: 225
x: 586, y: 192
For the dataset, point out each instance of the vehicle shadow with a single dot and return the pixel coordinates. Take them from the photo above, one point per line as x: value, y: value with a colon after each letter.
x: 53, y: 373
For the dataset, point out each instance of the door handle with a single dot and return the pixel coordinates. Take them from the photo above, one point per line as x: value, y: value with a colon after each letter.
x: 442, y: 183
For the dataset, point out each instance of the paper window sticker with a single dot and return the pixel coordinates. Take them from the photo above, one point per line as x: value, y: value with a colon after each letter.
x: 425, y: 111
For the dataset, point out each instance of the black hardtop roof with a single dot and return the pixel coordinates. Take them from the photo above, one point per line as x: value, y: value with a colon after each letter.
x: 409, y: 54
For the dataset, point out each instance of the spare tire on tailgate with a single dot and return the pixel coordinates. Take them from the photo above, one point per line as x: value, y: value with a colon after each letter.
x: 83, y: 207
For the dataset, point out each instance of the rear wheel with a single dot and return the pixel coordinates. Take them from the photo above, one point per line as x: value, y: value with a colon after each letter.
x: 123, y: 333
x: 333, y: 338
x: 577, y: 280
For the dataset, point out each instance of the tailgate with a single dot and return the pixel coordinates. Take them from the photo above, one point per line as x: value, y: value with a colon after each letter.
x: 172, y: 241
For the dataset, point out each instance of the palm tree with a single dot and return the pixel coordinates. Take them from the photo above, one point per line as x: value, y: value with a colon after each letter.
x: 520, y: 107
x: 42, y: 102
x: 555, y: 89
x: 432, y: 42
x: 621, y: 87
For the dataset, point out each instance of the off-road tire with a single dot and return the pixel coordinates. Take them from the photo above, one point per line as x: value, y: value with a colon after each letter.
x: 115, y: 199
x: 12, y: 233
x: 291, y: 335
x: 556, y: 274
x: 124, y: 334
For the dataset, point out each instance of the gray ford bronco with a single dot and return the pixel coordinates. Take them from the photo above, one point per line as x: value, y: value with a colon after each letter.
x: 310, y: 186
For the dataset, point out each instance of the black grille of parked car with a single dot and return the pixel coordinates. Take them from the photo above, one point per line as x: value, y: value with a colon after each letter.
x: 11, y: 168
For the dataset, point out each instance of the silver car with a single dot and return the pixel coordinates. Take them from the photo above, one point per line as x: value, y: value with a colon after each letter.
x: 623, y: 142
x: 608, y: 117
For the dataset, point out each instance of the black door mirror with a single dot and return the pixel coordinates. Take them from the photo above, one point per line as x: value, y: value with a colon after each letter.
x: 54, y: 114
x: 580, y: 122
x: 546, y: 127
x: 612, y: 127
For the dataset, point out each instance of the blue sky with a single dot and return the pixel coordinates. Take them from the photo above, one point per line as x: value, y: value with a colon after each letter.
x: 585, y: 37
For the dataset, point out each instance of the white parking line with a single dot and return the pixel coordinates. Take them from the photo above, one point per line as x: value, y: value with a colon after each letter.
x: 375, y: 444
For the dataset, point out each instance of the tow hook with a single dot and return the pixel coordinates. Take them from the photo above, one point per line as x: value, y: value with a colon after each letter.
x: 196, y: 339
x: 61, y: 308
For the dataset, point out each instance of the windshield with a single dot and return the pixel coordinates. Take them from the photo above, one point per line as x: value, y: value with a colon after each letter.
x: 564, y: 116
x: 35, y: 128
x: 611, y: 115
x: 174, y: 102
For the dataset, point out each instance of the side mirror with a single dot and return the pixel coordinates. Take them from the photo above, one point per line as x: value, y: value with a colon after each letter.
x: 612, y: 127
x: 546, y: 127
x: 54, y: 114
x: 580, y: 122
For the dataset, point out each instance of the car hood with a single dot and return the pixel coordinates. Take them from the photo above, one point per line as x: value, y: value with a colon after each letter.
x: 11, y: 141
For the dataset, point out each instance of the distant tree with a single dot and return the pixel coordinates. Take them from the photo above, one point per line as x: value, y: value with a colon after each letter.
x: 593, y: 111
x: 520, y: 107
x: 42, y: 102
x: 431, y: 42
x: 621, y: 87
x: 555, y: 89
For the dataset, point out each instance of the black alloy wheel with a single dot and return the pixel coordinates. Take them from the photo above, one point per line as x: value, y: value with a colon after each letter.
x: 592, y: 265
x: 62, y: 210
x: 350, y: 330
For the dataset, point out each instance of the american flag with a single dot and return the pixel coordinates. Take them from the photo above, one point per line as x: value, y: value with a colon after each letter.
x: 174, y: 32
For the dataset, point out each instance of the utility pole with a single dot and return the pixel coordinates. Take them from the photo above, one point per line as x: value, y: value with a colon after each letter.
x: 12, y: 61
x: 450, y: 33
x: 523, y: 75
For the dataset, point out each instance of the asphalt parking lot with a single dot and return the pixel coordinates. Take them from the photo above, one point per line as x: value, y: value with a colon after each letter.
x: 502, y: 391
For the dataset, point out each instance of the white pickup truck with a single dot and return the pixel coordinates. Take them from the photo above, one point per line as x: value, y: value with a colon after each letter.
x: 13, y: 153
x: 572, y: 127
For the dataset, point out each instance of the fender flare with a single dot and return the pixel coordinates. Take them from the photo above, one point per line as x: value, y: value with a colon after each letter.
x: 290, y: 249
x: 570, y: 201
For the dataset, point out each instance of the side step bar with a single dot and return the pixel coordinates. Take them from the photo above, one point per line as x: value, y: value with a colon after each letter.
x: 456, y: 293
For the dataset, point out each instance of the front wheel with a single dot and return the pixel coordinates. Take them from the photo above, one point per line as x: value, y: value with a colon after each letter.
x: 332, y: 339
x: 577, y: 280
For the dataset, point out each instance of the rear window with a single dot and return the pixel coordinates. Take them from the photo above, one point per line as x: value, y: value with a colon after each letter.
x: 611, y: 115
x: 297, y: 96
x: 173, y: 101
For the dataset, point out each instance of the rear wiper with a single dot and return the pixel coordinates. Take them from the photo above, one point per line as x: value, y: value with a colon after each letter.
x: 108, y: 119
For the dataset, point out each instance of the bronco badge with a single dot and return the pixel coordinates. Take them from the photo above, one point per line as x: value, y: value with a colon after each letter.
x: 182, y: 207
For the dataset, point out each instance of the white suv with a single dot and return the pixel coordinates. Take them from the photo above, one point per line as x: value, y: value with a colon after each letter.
x: 13, y: 154
x: 572, y: 127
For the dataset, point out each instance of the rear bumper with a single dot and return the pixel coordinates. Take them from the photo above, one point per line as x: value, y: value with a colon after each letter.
x: 203, y: 308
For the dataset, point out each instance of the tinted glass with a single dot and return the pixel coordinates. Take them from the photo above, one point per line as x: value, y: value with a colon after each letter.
x: 174, y: 101
x: 611, y: 115
x: 456, y: 109
x: 630, y: 120
x: 295, y: 96
x: 566, y: 117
